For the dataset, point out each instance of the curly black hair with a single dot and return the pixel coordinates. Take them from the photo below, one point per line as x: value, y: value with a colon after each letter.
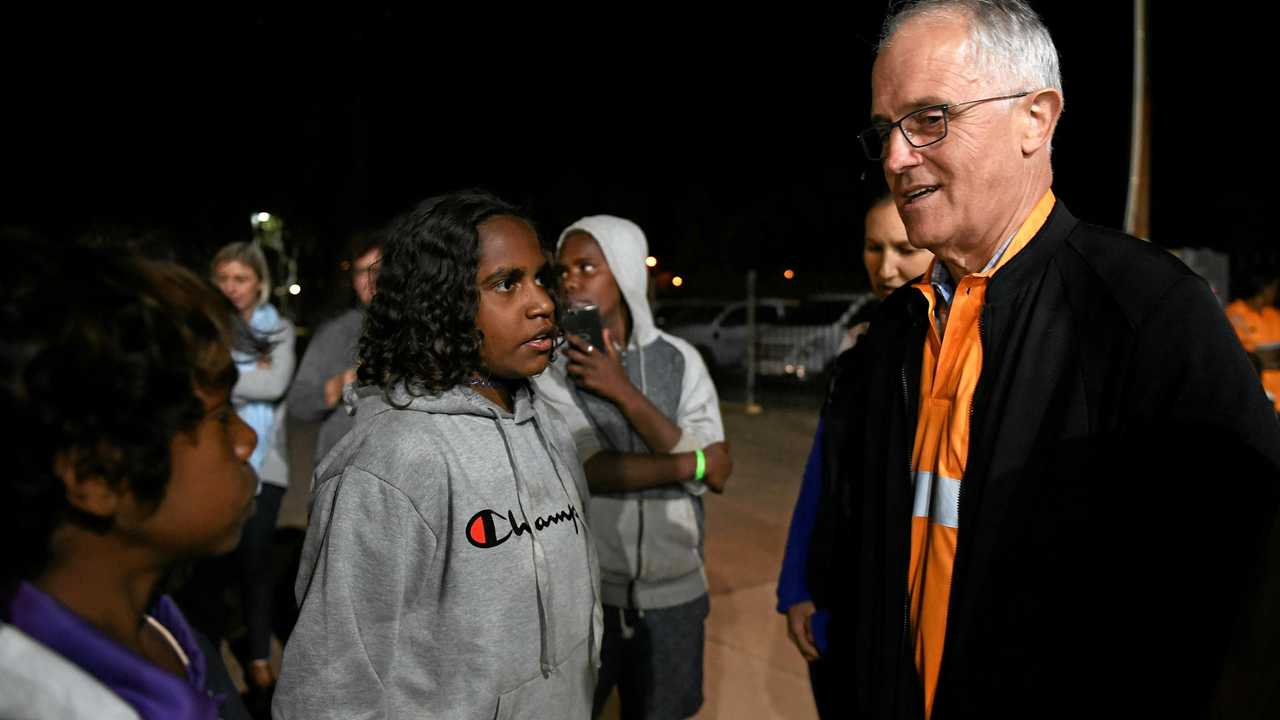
x: 102, y: 357
x: 420, y: 329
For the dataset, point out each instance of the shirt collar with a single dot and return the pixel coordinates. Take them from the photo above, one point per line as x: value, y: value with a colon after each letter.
x: 153, y: 692
x: 940, y: 277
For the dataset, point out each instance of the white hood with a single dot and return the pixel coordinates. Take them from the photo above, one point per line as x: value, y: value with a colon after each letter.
x: 625, y: 249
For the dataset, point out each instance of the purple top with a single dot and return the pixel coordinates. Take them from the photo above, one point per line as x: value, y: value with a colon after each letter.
x: 154, y: 693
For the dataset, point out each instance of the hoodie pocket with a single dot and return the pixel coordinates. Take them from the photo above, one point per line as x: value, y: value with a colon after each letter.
x: 565, y: 694
x: 672, y: 538
x: 615, y: 523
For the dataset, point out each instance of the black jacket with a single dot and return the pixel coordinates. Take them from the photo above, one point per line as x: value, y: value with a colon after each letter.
x: 1115, y: 515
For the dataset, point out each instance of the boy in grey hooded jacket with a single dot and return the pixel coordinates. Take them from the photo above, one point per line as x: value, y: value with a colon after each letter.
x: 646, y: 420
x: 448, y: 570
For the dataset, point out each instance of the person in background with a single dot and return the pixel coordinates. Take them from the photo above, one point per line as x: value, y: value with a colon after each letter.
x: 891, y: 262
x: 329, y: 364
x: 1256, y: 320
x: 646, y: 421
x: 240, y: 272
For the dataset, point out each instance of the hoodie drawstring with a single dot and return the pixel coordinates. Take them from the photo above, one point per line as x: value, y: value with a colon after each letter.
x: 593, y: 566
x: 540, y: 570
x: 644, y: 381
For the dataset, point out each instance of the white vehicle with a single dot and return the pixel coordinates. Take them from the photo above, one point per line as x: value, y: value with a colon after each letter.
x: 672, y: 312
x: 719, y: 332
x: 804, y: 344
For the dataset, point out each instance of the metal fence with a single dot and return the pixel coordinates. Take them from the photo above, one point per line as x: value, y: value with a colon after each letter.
x: 780, y: 341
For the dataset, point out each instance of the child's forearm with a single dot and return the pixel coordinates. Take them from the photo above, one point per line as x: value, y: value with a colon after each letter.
x: 624, y: 472
x: 657, y: 431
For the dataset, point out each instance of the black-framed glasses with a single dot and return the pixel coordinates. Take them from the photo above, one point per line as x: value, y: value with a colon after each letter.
x: 921, y: 128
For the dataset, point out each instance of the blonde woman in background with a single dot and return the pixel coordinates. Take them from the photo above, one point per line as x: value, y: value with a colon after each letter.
x: 240, y: 272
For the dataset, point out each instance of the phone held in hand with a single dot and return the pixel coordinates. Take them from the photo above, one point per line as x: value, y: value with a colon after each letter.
x: 584, y: 321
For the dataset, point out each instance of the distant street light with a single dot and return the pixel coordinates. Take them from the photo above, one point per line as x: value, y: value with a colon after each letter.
x: 677, y: 281
x: 295, y: 289
x: 651, y: 261
x: 788, y: 273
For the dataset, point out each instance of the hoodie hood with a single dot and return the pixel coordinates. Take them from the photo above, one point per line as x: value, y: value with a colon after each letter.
x: 625, y: 248
x: 457, y: 400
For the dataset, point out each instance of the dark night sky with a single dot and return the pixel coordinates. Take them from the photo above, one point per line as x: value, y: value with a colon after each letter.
x: 731, y: 143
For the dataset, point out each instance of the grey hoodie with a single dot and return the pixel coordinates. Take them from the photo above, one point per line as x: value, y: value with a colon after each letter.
x: 448, y: 570
x: 650, y: 541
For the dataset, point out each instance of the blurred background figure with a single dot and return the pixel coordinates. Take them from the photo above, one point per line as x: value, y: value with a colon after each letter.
x: 1255, y: 318
x: 329, y: 363
x: 890, y: 260
x: 240, y: 271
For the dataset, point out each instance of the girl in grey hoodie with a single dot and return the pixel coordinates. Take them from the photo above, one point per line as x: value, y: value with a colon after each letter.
x: 448, y: 570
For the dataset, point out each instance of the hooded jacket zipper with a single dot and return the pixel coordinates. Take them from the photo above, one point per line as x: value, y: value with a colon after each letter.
x: 635, y: 581
x: 631, y: 591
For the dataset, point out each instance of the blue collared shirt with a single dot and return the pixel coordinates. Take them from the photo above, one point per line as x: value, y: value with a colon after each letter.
x: 944, y: 286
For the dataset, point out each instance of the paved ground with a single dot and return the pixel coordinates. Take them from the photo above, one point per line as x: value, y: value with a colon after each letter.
x: 752, y: 669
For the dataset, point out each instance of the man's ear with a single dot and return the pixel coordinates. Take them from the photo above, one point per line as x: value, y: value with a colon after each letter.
x: 1043, y: 108
x: 88, y: 492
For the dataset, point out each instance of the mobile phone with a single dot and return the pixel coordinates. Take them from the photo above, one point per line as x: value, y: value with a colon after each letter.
x: 584, y: 322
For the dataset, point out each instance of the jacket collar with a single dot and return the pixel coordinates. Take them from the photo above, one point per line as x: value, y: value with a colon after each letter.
x: 1028, y: 265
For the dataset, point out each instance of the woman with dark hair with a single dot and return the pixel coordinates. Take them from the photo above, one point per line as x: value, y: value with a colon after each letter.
x: 115, y: 381
x: 240, y: 271
x: 448, y: 570
x: 891, y: 262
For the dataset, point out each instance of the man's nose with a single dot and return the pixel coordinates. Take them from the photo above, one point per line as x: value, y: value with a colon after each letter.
x: 899, y: 154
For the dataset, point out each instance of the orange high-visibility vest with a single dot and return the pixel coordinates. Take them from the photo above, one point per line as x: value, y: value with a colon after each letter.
x: 952, y: 363
x: 1258, y: 331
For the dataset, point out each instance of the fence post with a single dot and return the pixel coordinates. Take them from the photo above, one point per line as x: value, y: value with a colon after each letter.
x: 753, y: 408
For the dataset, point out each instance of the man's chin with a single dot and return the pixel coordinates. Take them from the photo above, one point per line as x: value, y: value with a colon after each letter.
x: 923, y: 237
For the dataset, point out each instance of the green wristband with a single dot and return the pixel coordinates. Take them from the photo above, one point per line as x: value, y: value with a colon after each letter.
x: 701, y: 470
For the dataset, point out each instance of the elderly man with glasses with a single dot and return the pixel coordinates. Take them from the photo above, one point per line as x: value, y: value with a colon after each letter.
x: 1026, y: 510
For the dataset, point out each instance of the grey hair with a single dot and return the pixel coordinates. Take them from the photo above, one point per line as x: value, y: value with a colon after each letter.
x: 1008, y: 40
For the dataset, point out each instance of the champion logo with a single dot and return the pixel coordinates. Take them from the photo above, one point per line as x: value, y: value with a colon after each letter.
x: 489, y: 528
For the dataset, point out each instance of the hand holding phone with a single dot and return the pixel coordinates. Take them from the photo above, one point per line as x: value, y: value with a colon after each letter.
x: 596, y: 366
x: 584, y: 321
